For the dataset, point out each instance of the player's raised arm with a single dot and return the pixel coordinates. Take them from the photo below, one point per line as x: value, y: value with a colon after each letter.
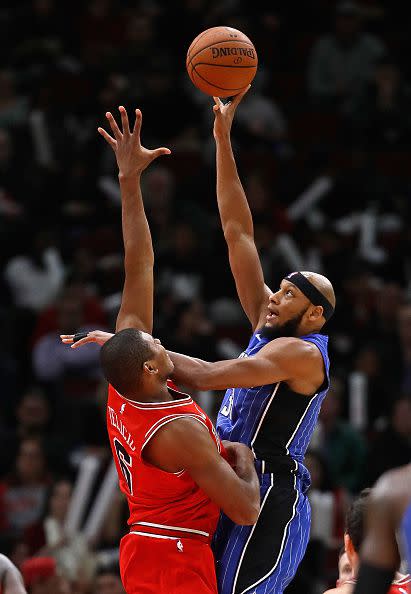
x: 136, y: 310
x: 285, y: 359
x: 186, y: 444
x: 236, y: 219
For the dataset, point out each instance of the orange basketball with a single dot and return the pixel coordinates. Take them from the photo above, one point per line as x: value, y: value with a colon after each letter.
x: 221, y: 61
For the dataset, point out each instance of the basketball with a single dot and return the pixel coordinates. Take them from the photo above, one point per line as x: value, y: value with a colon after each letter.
x: 221, y: 61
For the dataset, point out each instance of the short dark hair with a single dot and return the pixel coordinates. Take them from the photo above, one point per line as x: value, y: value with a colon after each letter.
x: 354, y: 519
x: 122, y: 358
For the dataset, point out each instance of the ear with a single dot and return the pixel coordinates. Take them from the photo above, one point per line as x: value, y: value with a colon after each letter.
x: 150, y: 367
x: 316, y: 312
x: 351, y: 552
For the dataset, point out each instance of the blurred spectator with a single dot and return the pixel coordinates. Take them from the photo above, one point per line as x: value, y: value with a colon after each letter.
x: 23, y: 490
x: 404, y: 327
x: 341, y: 63
x: 73, y: 312
x: 13, y: 108
x: 71, y: 552
x: 108, y: 581
x: 343, y: 447
x: 391, y: 447
x: 381, y: 116
x: 36, y: 276
x: 41, y: 576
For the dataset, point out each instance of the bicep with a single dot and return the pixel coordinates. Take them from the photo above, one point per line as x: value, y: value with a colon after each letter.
x: 248, y: 275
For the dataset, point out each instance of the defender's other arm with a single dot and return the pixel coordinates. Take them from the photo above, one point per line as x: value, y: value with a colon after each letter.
x: 186, y: 444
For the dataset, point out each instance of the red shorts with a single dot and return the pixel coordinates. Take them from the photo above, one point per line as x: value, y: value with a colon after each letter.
x: 154, y: 565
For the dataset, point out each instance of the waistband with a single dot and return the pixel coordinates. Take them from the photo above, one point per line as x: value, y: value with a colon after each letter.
x: 170, y: 532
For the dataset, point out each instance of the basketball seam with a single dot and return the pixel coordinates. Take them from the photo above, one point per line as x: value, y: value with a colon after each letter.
x: 219, y: 43
x: 222, y: 65
x: 217, y: 86
x: 200, y: 36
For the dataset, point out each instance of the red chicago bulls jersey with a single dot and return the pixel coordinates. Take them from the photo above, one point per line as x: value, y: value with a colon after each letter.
x: 159, y: 502
x: 398, y: 586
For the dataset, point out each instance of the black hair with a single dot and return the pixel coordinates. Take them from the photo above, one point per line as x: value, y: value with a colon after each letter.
x: 354, y: 519
x: 122, y: 358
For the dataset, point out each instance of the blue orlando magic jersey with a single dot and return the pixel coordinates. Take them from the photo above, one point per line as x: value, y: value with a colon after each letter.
x: 406, y: 534
x: 274, y: 421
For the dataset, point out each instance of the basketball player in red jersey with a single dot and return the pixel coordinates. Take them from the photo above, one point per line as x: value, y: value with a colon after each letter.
x: 165, y: 448
x: 353, y: 539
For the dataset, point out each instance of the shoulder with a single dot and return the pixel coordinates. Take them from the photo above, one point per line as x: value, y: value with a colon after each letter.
x: 294, y: 348
x: 344, y: 589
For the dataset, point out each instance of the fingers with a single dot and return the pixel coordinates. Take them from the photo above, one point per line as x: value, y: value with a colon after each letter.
x: 82, y: 342
x: 160, y: 151
x: 218, y: 103
x: 138, y: 122
x: 113, y: 126
x: 67, y: 338
x: 108, y: 138
x: 124, y: 120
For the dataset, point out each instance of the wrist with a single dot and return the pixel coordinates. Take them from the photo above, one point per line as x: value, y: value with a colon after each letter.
x: 129, y: 176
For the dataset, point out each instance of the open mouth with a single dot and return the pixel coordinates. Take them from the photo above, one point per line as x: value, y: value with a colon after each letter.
x: 271, y: 316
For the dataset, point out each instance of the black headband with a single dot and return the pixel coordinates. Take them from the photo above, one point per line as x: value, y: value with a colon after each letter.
x: 311, y: 292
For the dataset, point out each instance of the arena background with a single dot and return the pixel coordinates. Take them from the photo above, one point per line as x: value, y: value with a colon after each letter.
x: 323, y: 143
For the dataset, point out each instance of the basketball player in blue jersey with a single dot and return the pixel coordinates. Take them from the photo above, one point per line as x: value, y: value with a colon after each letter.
x: 388, y: 519
x: 275, y: 392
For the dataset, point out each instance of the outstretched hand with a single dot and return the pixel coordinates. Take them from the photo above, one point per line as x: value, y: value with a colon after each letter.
x: 96, y: 336
x: 224, y: 114
x: 131, y: 156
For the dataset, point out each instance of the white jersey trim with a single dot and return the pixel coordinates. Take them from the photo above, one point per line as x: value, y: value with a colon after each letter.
x: 153, y: 535
x: 179, y: 528
x: 165, y: 421
x: 157, y: 405
x: 265, y: 412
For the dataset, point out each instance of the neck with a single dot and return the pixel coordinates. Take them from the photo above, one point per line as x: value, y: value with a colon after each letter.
x: 156, y: 392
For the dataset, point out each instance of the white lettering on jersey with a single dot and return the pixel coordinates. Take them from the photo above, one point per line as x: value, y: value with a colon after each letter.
x: 228, y: 409
x: 119, y: 425
x: 123, y: 406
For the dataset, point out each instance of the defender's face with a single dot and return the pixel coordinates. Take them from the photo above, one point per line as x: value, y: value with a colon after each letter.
x: 160, y: 355
x: 285, y: 305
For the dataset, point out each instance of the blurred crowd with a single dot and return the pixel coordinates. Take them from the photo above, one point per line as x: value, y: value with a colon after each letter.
x: 323, y: 145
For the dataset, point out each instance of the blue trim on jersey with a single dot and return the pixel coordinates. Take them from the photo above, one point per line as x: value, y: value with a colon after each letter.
x: 406, y: 533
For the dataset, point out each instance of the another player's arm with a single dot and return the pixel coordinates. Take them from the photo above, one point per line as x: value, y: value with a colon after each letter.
x: 284, y: 359
x: 136, y: 310
x: 11, y: 581
x: 186, y: 444
x: 379, y: 552
x: 236, y: 218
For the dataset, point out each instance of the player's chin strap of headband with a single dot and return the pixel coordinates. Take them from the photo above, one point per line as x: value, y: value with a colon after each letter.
x: 311, y: 292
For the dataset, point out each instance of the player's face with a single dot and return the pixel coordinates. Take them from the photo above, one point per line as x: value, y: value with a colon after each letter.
x: 285, y: 310
x: 165, y: 364
x: 344, y: 570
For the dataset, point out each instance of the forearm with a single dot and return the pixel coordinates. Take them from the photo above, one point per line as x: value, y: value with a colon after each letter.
x: 187, y: 370
x: 136, y: 232
x: 232, y: 202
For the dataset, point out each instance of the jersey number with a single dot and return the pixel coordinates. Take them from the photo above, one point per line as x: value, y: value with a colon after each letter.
x: 125, y: 461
